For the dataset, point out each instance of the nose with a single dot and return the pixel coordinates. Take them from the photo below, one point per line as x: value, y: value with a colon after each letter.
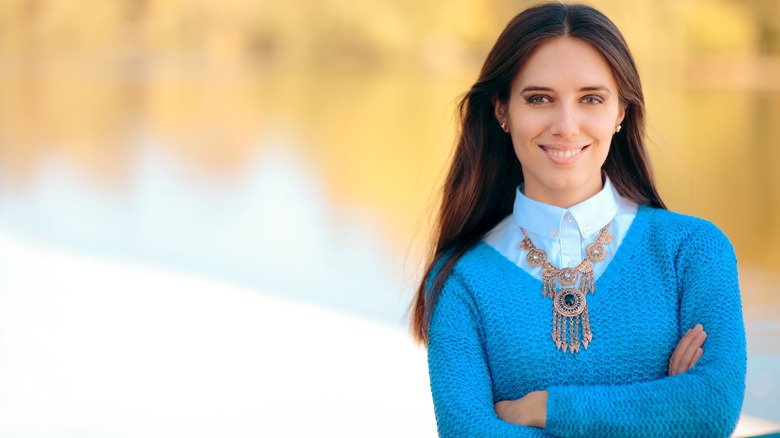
x: 565, y: 123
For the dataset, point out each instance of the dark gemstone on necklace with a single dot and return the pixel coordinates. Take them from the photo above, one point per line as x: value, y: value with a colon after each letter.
x: 569, y: 300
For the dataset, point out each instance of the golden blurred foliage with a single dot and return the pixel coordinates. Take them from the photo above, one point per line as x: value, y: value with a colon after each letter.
x: 365, y: 91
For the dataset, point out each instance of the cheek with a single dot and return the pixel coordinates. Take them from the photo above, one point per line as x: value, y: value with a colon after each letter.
x: 526, y: 126
x: 602, y: 128
x: 524, y: 149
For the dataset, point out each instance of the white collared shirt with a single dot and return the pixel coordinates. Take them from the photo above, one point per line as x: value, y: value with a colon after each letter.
x: 563, y: 233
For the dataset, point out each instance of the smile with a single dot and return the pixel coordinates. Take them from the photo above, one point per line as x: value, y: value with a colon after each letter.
x: 563, y: 154
x: 567, y: 154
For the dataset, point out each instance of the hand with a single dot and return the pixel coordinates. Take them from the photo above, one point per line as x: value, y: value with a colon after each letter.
x: 688, y: 351
x: 531, y: 410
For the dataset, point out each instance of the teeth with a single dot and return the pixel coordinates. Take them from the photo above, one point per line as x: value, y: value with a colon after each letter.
x: 564, y: 154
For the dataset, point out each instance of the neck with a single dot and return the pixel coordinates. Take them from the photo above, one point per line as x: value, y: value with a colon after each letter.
x: 562, y: 198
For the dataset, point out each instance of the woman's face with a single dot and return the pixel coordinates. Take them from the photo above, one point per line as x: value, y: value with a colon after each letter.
x: 562, y: 111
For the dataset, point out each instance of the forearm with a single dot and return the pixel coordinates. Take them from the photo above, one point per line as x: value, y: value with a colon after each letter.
x: 465, y: 409
x: 461, y: 383
x: 462, y: 396
x: 697, y: 403
x: 701, y: 401
x: 531, y: 409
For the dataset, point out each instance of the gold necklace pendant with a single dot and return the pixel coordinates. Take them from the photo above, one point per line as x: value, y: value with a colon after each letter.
x: 570, y: 309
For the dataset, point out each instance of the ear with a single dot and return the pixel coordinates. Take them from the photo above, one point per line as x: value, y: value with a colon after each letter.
x: 499, y: 110
x: 621, y: 114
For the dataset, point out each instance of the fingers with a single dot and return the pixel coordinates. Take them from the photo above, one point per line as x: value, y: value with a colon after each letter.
x: 675, y: 362
x: 688, y: 351
x: 687, y: 358
x: 696, y: 357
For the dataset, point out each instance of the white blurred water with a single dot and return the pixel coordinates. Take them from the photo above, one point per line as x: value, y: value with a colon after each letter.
x: 271, y: 227
x: 96, y: 348
x: 184, y: 306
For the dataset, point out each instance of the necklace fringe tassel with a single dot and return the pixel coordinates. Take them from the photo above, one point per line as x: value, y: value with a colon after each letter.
x: 562, y: 324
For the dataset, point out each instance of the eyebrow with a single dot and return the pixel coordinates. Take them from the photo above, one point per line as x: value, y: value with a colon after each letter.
x: 590, y: 88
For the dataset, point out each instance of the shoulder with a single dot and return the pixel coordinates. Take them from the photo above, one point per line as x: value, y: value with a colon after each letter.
x: 455, y: 303
x: 481, y: 268
x: 669, y: 218
x: 481, y: 261
x: 678, y: 223
x: 687, y: 233
x: 472, y: 263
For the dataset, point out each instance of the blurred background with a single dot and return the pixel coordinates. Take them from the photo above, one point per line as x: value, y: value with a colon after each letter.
x: 212, y: 213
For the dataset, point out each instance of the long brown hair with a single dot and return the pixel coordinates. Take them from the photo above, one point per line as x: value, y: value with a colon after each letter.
x: 480, y: 187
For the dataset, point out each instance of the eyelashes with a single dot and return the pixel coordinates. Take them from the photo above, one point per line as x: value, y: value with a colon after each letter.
x: 592, y: 100
x: 539, y: 99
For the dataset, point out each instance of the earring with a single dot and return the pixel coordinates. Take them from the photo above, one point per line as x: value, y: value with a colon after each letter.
x: 618, y: 128
x: 503, y: 125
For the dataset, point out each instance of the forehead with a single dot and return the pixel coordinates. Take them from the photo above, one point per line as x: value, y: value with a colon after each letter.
x: 564, y: 63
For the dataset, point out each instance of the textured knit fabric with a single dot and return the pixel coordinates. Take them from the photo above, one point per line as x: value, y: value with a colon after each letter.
x: 489, y: 340
x: 563, y: 233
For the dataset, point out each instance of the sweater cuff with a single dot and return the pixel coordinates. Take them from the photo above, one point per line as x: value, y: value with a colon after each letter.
x: 562, y: 415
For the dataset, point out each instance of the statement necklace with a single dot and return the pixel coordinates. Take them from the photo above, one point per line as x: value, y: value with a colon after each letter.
x: 569, y: 307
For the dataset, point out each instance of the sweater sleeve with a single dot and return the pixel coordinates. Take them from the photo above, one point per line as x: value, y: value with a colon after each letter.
x: 706, y: 400
x: 460, y: 379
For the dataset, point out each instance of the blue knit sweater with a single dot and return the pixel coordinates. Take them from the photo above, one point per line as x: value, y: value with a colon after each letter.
x: 489, y: 340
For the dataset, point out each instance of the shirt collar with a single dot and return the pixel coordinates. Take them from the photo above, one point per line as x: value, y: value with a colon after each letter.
x: 545, y: 220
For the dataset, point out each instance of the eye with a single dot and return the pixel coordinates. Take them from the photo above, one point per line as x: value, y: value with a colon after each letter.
x: 537, y: 99
x: 592, y: 100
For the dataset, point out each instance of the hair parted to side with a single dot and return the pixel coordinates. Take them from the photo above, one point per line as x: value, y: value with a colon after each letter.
x: 480, y: 187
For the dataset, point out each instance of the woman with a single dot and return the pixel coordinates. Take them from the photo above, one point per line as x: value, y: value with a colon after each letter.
x: 561, y: 297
